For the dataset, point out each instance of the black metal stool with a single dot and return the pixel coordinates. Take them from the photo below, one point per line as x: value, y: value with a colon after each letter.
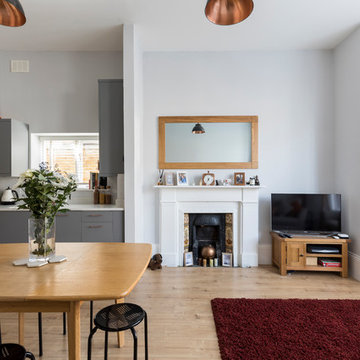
x: 14, y: 352
x: 119, y: 317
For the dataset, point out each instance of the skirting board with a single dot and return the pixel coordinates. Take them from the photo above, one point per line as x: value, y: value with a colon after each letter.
x: 265, y: 254
x: 354, y: 266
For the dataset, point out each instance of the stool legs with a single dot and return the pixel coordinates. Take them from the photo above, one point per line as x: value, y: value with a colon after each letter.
x: 135, y: 342
x: 40, y: 331
x: 40, y: 334
x: 64, y: 323
x: 106, y: 345
x: 92, y: 332
x: 146, y: 338
x: 91, y: 313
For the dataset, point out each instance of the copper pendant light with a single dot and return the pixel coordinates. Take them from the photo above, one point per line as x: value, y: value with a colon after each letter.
x: 198, y: 129
x: 228, y: 12
x: 11, y: 13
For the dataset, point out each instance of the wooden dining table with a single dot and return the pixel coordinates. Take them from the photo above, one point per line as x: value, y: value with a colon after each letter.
x: 93, y: 271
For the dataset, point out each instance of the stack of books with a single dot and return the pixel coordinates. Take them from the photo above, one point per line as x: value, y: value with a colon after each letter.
x: 94, y: 180
x: 329, y: 263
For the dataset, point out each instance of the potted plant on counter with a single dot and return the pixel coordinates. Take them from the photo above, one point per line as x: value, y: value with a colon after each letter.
x: 46, y: 193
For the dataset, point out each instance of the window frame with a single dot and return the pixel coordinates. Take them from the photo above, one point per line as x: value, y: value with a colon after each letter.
x: 93, y: 137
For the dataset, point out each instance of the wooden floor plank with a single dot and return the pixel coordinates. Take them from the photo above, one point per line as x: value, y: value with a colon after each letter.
x: 177, y: 300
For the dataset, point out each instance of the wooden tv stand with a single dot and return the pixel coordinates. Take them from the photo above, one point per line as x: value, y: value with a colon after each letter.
x: 291, y: 254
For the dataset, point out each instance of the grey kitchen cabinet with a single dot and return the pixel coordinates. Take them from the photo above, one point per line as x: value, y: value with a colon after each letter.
x: 102, y: 226
x: 72, y: 226
x: 68, y: 227
x: 14, y: 147
x: 14, y: 226
x: 97, y: 232
x: 111, y: 127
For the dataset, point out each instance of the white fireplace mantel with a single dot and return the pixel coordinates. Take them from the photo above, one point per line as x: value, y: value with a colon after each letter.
x: 241, y: 201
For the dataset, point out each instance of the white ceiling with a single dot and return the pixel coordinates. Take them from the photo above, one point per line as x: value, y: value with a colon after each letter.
x: 180, y: 25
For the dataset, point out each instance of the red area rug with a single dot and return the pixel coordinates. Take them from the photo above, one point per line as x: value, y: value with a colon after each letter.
x: 293, y: 329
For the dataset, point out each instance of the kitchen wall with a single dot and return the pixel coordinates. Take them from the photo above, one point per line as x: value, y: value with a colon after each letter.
x: 60, y: 93
x: 346, y: 140
x: 290, y: 91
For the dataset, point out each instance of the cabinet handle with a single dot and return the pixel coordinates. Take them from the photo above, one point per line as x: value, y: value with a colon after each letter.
x: 95, y: 227
x: 94, y: 215
x: 301, y: 255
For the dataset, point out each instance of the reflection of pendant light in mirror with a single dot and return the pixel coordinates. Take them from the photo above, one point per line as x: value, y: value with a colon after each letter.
x: 198, y: 129
x: 228, y: 12
x: 11, y: 13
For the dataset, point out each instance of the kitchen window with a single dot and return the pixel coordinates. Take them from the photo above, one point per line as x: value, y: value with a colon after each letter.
x: 77, y: 155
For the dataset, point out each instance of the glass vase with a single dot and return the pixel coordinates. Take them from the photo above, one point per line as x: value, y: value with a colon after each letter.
x: 41, y: 233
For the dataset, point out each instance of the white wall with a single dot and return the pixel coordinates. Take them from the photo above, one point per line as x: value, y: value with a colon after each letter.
x: 60, y: 93
x: 347, y: 130
x: 291, y: 92
x: 133, y: 119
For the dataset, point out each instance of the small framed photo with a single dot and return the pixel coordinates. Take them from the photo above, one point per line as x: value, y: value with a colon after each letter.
x: 226, y: 259
x: 188, y: 258
x: 169, y: 178
x: 182, y: 178
x: 239, y: 178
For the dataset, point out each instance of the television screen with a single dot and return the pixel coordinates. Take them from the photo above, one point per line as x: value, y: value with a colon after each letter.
x: 306, y: 212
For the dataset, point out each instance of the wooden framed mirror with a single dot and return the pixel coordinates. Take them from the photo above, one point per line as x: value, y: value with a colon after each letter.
x: 229, y: 142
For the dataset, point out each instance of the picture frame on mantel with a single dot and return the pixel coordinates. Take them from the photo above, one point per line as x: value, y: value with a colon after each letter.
x: 169, y: 179
x: 239, y: 178
x: 182, y: 178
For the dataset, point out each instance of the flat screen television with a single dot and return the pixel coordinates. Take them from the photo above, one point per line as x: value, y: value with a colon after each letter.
x: 310, y: 213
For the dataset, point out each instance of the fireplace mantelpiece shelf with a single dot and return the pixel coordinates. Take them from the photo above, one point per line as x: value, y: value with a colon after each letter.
x: 207, y: 187
x: 241, y: 201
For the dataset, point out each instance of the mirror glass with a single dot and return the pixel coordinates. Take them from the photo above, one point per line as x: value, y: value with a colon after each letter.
x: 221, y: 142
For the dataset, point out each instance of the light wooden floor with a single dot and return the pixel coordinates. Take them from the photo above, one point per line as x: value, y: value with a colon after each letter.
x: 178, y: 304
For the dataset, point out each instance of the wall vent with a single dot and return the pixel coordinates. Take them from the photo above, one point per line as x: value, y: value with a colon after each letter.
x: 19, y: 66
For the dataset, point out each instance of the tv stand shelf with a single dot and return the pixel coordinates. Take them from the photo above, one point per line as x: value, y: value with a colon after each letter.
x: 291, y: 253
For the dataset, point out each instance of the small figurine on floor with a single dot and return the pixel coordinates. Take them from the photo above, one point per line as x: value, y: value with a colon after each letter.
x: 155, y: 262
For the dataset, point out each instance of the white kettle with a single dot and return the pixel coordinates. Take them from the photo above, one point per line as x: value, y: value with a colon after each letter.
x: 9, y: 197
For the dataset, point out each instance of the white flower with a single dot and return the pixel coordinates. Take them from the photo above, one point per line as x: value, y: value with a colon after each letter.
x: 27, y: 174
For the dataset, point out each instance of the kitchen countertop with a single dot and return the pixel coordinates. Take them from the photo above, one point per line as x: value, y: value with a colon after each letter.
x: 73, y: 207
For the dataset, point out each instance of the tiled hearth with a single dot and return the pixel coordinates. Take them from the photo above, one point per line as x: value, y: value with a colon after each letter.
x: 240, y: 205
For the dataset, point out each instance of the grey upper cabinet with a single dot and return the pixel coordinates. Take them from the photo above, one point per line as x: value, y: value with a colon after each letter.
x: 111, y: 127
x: 14, y: 147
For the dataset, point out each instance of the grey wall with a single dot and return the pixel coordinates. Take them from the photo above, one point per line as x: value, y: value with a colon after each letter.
x: 59, y: 94
x: 347, y: 129
x: 291, y: 92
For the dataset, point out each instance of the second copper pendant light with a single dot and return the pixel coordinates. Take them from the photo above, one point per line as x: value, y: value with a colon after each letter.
x: 11, y: 13
x: 228, y: 12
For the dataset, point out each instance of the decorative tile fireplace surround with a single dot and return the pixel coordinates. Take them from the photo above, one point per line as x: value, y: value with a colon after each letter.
x: 175, y: 202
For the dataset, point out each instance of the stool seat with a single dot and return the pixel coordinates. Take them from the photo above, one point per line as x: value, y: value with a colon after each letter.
x: 119, y: 317
x: 14, y: 352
